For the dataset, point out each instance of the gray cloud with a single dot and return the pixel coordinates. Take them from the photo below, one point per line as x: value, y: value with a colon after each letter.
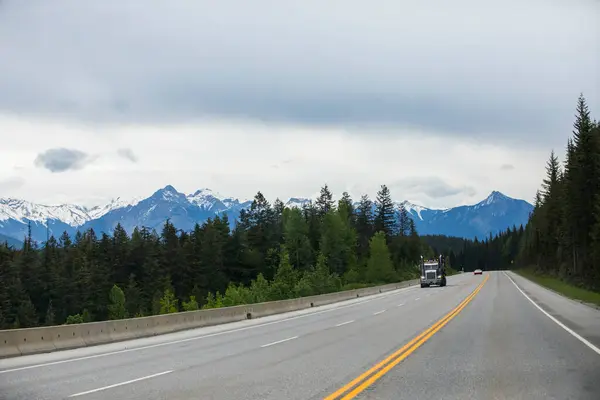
x: 451, y: 69
x: 432, y: 187
x: 507, y: 167
x: 128, y: 154
x: 62, y: 159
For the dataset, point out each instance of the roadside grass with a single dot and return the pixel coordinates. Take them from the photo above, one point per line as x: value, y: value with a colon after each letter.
x: 560, y: 286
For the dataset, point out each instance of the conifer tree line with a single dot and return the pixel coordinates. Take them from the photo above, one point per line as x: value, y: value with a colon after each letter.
x: 562, y: 236
x: 272, y: 253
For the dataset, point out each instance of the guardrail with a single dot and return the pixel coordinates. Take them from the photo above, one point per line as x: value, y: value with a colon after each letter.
x: 17, y: 342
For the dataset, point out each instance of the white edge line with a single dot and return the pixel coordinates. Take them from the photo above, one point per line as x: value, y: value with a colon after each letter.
x: 121, y: 384
x: 279, y: 341
x: 566, y: 328
x: 203, y: 336
x: 379, y: 312
x: 345, y: 323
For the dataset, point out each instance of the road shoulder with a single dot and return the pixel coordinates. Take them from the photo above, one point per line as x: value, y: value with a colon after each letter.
x: 581, y: 318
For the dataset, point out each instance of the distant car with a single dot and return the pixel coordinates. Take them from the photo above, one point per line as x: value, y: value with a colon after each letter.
x: 477, y: 272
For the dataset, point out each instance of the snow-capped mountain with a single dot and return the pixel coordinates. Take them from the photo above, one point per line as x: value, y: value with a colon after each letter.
x: 10, y: 241
x: 297, y: 202
x: 208, y: 200
x: 416, y: 211
x: 491, y: 215
x: 21, y: 210
x: 495, y: 213
x: 184, y: 211
x: 99, y: 211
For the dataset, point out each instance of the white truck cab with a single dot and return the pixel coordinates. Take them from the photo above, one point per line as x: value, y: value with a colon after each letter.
x: 433, y: 272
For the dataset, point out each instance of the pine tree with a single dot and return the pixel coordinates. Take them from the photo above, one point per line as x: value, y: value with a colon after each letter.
x: 119, y: 256
x: 311, y: 216
x: 116, y: 306
x: 404, y: 221
x: 346, y: 209
x: 379, y: 268
x: 296, y: 239
x: 30, y: 273
x: 168, y: 303
x: 412, y: 230
x: 11, y: 287
x: 364, y: 226
x: 173, y: 260
x: 27, y: 314
x: 262, y: 235
x: 191, y: 305
x: 325, y: 201
x: 594, y: 274
x: 582, y: 185
x: 49, y: 320
x: 385, y: 218
x: 550, y: 217
x: 284, y: 280
x: 133, y: 298
x: 337, y: 242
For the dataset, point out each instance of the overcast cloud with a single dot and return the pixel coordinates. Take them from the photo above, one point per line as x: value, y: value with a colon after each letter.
x: 487, y: 69
x: 61, y: 159
x: 504, y: 74
x: 431, y: 186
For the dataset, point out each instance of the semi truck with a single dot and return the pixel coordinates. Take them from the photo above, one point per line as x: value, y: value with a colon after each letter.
x: 433, y: 272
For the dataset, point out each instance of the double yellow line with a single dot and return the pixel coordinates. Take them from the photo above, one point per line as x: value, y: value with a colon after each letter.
x: 352, y: 389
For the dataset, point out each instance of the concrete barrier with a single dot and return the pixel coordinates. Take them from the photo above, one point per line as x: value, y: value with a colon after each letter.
x: 16, y: 342
x: 9, y: 343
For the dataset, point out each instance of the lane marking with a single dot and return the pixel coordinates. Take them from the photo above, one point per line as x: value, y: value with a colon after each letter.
x: 566, y: 328
x: 368, y: 377
x: 397, y: 291
x: 379, y: 312
x: 121, y: 384
x: 345, y: 323
x: 417, y: 299
x: 400, y: 305
x: 279, y: 341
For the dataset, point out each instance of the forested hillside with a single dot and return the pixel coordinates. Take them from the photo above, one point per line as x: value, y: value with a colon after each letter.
x: 273, y: 253
x: 276, y: 252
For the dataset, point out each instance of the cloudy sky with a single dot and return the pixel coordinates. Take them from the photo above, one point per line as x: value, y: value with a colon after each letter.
x: 443, y: 103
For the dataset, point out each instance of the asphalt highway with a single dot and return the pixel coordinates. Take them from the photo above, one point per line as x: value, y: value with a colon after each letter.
x: 493, y: 336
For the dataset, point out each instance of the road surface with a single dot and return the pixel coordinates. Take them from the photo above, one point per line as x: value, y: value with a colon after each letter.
x: 480, y: 337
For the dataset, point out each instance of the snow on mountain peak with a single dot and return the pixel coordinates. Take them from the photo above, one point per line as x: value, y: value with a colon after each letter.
x: 414, y: 207
x: 168, y: 193
x: 206, y: 198
x: 21, y: 210
x: 297, y: 202
x: 99, y: 211
x: 205, y: 192
x: 495, y: 196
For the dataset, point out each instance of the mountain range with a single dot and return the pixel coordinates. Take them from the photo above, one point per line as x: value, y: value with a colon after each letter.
x: 493, y: 214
